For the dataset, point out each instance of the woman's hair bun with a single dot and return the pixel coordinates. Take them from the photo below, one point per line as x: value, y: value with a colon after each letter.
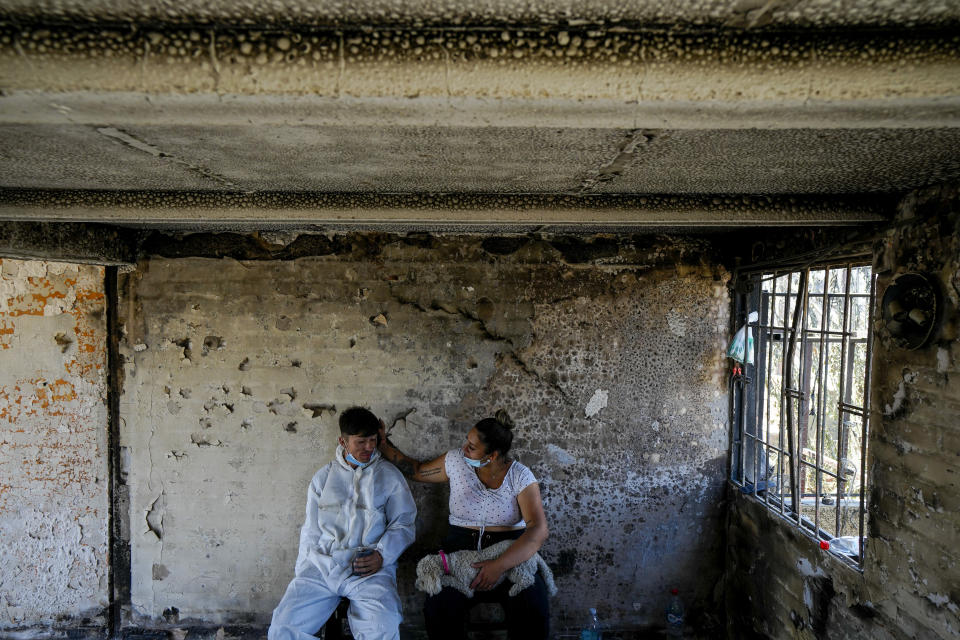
x: 504, y: 418
x: 496, y: 433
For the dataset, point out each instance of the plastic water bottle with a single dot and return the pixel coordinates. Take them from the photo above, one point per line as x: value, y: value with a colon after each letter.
x: 675, y: 615
x: 593, y: 630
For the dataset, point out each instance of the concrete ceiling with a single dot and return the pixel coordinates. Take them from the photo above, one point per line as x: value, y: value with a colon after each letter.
x: 563, y: 109
x: 186, y: 151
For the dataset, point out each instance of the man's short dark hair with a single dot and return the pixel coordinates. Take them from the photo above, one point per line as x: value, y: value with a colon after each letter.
x: 357, y: 421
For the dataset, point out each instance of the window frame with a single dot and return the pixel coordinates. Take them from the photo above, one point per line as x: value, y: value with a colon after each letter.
x: 747, y: 405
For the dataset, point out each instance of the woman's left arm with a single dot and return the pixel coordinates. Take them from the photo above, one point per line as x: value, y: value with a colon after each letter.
x: 531, y: 507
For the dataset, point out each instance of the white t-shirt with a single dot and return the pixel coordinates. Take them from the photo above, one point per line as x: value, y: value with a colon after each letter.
x: 472, y: 504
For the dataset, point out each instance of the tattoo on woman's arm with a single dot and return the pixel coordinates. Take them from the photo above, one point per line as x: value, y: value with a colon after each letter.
x: 424, y: 473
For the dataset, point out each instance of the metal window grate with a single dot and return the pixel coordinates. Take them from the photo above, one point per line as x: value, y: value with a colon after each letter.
x: 800, y: 411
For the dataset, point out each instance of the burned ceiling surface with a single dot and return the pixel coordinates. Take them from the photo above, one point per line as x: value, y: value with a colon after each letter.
x: 554, y: 106
x: 741, y: 13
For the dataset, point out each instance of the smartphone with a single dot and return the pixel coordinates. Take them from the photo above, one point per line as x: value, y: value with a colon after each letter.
x: 362, y: 552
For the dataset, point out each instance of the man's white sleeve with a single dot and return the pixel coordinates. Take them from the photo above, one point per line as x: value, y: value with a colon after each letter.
x: 310, y: 531
x: 401, y: 513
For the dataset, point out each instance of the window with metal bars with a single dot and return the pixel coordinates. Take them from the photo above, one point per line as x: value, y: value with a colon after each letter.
x: 800, y: 406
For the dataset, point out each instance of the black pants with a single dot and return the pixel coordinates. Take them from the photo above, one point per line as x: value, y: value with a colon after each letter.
x: 527, y: 613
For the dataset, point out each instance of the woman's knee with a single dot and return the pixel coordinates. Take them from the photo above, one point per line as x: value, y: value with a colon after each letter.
x: 529, y: 610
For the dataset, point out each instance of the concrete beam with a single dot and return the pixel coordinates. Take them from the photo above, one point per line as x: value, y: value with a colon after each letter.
x: 548, y: 62
x: 549, y: 111
x: 438, y: 213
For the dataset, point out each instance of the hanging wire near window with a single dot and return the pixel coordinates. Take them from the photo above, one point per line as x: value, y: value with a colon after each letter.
x: 792, y: 394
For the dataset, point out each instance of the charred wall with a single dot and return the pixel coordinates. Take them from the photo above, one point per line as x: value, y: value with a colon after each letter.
x: 778, y: 583
x: 607, y: 351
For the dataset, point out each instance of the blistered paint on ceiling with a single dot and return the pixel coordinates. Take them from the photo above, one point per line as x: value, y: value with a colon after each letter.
x: 742, y: 13
x: 550, y: 107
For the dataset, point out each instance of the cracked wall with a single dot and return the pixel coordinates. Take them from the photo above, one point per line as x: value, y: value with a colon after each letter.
x: 779, y: 584
x: 607, y: 351
x: 53, y: 470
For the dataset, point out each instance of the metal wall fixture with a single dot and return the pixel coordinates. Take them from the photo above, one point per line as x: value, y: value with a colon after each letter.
x: 911, y: 309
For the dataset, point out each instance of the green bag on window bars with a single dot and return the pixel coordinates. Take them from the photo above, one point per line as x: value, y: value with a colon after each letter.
x: 741, y: 348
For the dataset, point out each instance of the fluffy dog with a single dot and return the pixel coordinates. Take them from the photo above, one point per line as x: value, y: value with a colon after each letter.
x: 431, y: 577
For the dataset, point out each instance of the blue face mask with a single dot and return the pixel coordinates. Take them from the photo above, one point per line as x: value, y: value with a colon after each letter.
x: 476, y: 464
x: 356, y: 462
x: 349, y: 458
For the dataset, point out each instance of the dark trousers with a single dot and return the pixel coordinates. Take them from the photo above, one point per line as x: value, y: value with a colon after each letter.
x: 527, y: 613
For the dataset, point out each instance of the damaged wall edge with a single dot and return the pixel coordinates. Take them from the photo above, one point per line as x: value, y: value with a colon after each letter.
x: 118, y: 494
x: 761, y: 250
x: 94, y: 244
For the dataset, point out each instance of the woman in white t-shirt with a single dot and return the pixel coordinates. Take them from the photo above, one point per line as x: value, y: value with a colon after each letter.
x: 492, y: 498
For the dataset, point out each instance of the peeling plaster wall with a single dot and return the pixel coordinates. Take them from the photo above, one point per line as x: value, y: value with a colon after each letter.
x: 607, y: 352
x: 778, y: 583
x: 53, y: 470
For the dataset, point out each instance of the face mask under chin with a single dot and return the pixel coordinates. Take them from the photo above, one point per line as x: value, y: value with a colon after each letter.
x: 476, y: 464
x: 352, y: 460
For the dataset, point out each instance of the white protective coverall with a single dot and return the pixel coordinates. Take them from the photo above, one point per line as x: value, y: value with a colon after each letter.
x: 347, y: 508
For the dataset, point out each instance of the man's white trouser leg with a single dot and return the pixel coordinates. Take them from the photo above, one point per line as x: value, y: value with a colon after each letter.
x: 310, y: 600
x: 304, y: 608
x: 375, y: 612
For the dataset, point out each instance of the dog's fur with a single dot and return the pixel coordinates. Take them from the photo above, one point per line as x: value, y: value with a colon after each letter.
x: 431, y: 578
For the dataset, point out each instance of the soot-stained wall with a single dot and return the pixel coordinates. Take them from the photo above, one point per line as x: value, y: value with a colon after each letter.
x: 53, y: 443
x: 607, y: 352
x: 778, y: 583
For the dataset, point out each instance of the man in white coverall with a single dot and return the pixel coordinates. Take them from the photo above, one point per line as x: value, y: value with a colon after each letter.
x: 357, y: 500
